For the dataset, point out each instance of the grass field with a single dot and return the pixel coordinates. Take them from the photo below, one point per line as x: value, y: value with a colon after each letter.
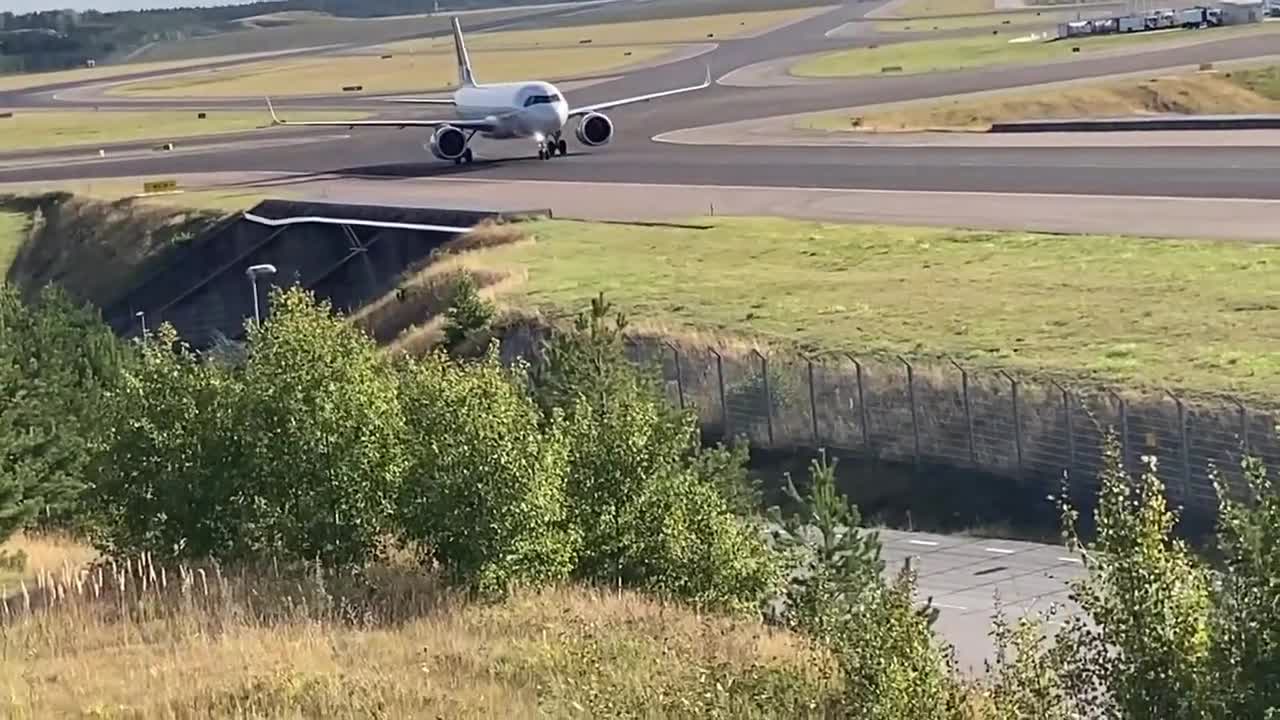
x: 1193, y: 315
x: 982, y: 20
x: 13, y: 230
x: 401, y: 73
x: 21, y: 81
x: 988, y: 50
x: 264, y: 645
x: 928, y: 8
x: 641, y: 32
x: 1194, y: 94
x: 41, y: 129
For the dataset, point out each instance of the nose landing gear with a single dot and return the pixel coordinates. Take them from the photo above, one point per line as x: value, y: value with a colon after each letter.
x: 549, y: 147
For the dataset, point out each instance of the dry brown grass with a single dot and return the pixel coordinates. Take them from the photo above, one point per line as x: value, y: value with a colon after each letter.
x: 141, y: 641
x: 29, y: 554
x: 1195, y: 94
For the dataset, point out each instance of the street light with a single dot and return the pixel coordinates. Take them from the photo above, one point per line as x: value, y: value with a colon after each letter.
x: 142, y: 318
x: 253, y: 273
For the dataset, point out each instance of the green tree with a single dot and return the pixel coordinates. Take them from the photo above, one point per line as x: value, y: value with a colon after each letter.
x: 654, y: 509
x: 1145, y: 655
x: 485, y: 488
x: 321, y: 428
x: 891, y: 665
x: 169, y: 476
x: 1246, y: 620
x: 469, y: 318
x: 57, y: 362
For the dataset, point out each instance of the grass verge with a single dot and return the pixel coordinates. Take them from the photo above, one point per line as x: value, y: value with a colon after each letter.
x: 639, y: 32
x: 13, y: 231
x: 44, y: 129
x: 981, y: 20
x: 205, y: 643
x: 926, y: 8
x: 399, y: 73
x: 1237, y: 92
x: 990, y: 50
x: 1150, y: 313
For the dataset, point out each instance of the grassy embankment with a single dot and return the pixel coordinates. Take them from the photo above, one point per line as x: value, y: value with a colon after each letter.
x: 421, y: 65
x: 210, y: 648
x: 966, y: 53
x: 46, y: 129
x: 1214, y: 93
x: 992, y: 20
x: 13, y: 231
x: 1149, y: 313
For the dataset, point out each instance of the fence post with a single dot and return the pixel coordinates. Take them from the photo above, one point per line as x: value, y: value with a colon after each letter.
x: 968, y: 413
x: 813, y: 403
x: 675, y: 354
x: 724, y: 407
x: 768, y: 396
x: 1124, y: 430
x: 1244, y: 426
x: 1071, y: 434
x: 1186, y: 453
x: 1017, y: 420
x: 862, y: 405
x: 911, y: 399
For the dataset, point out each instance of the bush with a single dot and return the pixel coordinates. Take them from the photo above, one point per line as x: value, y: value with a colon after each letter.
x: 57, y: 361
x: 296, y: 454
x: 485, y: 488
x: 469, y: 318
x: 169, y: 472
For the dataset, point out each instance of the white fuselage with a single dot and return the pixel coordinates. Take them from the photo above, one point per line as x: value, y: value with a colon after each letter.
x: 529, y: 109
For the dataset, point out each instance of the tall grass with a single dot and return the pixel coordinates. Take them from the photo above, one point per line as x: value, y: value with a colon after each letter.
x: 133, y: 638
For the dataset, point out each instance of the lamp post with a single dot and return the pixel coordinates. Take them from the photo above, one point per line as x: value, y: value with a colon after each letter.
x: 253, y: 273
x: 142, y: 319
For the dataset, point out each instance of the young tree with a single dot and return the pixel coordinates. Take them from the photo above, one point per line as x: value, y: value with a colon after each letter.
x: 169, y: 475
x: 468, y: 319
x: 1246, y: 622
x: 485, y: 487
x: 57, y: 362
x: 891, y: 665
x: 1146, y: 654
x: 322, y: 432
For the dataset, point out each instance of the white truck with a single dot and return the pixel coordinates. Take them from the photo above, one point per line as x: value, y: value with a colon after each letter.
x: 1132, y: 23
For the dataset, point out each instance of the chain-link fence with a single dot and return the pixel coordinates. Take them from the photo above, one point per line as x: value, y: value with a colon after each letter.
x: 943, y: 414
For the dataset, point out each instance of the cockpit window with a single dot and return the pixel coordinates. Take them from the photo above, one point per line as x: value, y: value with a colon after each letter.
x: 541, y: 100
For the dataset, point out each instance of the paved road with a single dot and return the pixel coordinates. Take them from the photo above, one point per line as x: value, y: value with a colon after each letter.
x: 1236, y: 172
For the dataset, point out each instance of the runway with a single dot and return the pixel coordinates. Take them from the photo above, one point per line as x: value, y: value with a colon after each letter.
x: 1090, y: 185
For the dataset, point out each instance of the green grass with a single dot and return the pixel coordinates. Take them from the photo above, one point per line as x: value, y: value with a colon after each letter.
x: 987, y: 20
x: 13, y: 230
x: 988, y: 50
x: 1264, y: 81
x: 40, y: 129
x: 1200, y: 316
x: 928, y: 8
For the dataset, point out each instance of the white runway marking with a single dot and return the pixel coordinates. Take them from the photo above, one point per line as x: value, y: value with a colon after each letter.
x: 1000, y: 551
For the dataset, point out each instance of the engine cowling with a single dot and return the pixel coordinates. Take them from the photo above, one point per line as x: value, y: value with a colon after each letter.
x: 595, y: 130
x: 448, y: 142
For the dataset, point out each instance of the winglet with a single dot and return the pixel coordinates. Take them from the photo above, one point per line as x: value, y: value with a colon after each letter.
x: 274, y: 120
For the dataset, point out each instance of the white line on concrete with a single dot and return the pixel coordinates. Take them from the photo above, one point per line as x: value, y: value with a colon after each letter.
x: 945, y: 606
x: 958, y: 193
x: 1000, y: 551
x: 929, y: 543
x: 1071, y: 560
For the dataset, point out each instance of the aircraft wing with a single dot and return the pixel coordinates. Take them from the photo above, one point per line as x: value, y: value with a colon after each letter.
x: 481, y: 125
x: 640, y: 98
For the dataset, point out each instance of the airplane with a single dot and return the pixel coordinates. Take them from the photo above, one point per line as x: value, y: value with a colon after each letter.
x: 503, y: 111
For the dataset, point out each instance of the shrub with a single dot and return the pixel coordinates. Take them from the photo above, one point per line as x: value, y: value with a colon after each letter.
x: 485, y: 484
x: 1145, y: 654
x: 468, y: 319
x: 296, y: 454
x: 57, y: 360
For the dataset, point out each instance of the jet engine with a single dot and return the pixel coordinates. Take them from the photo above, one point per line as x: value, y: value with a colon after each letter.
x: 448, y: 143
x: 594, y: 130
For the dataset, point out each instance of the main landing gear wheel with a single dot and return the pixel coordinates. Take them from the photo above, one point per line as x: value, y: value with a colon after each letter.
x: 563, y: 147
x: 465, y: 158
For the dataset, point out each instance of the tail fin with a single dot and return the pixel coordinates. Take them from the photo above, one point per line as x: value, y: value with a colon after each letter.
x: 465, y: 77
